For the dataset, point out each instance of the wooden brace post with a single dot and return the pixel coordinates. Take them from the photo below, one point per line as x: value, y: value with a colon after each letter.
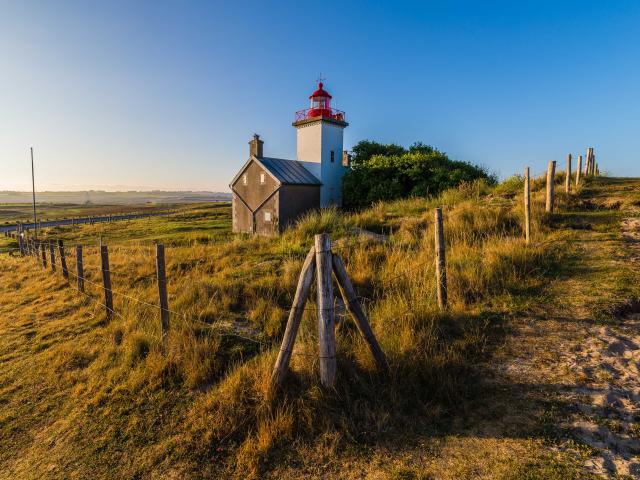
x: 326, y: 314
x: 295, y: 315
x: 355, y: 309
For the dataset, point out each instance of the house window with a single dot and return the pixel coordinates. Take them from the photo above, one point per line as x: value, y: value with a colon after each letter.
x: 333, y: 156
x: 263, y: 178
x: 244, y: 179
x: 267, y: 216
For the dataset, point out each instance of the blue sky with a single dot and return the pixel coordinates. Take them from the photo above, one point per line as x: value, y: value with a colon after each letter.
x: 159, y: 94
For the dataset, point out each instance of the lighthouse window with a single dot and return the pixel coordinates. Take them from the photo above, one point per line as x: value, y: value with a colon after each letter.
x: 267, y: 216
x: 333, y: 156
x: 262, y: 178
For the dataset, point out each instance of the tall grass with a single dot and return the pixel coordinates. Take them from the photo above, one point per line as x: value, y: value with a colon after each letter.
x: 231, y: 297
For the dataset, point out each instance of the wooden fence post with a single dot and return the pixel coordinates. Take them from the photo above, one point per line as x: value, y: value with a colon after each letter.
x: 441, y: 264
x: 579, y: 170
x: 52, y: 254
x: 106, y: 280
x: 353, y: 306
x: 527, y: 206
x: 162, y: 289
x: 326, y: 316
x: 44, y: 254
x: 551, y: 192
x: 589, y: 161
x: 567, y: 183
x: 295, y: 315
x: 79, y: 268
x: 63, y: 260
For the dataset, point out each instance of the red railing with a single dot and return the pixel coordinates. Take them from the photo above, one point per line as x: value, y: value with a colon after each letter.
x: 310, y: 113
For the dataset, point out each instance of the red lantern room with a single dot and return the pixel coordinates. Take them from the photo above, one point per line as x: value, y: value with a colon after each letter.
x: 320, y: 103
x: 320, y: 107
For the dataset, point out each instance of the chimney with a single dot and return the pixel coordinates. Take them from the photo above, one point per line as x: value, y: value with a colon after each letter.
x: 346, y: 159
x: 255, y: 146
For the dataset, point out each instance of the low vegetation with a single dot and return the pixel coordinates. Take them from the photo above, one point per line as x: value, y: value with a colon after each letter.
x: 84, y: 398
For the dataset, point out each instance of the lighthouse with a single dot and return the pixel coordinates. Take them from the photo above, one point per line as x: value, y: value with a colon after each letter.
x: 270, y: 193
x: 319, y: 130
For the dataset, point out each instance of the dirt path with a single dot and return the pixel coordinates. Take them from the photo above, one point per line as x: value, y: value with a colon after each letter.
x: 592, y: 370
x: 606, y: 416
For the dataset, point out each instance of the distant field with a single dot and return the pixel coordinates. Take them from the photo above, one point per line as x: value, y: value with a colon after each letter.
x: 97, y: 197
x: 200, y: 223
x: 22, y: 212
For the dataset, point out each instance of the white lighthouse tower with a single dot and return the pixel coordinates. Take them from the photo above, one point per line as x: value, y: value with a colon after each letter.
x: 319, y: 145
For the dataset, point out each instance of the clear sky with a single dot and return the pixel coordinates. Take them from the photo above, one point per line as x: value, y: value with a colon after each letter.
x: 166, y: 94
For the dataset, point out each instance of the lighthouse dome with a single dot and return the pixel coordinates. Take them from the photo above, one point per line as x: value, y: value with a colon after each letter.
x: 320, y: 92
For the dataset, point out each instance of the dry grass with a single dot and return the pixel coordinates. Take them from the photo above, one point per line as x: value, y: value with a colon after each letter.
x: 83, y: 398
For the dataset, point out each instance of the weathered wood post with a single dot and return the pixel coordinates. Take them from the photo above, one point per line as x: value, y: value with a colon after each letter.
x: 63, y: 260
x: 567, y: 183
x: 326, y: 317
x: 579, y: 170
x: 597, y: 170
x: 527, y: 206
x: 44, y: 254
x: 355, y: 309
x: 441, y: 264
x: 79, y: 268
x: 295, y: 315
x: 551, y: 192
x: 589, y: 161
x: 106, y: 280
x: 162, y: 289
x: 52, y: 253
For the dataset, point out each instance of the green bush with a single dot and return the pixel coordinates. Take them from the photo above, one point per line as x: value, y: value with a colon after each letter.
x: 389, y: 172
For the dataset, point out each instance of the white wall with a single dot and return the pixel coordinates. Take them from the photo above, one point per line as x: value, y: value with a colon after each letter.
x: 314, y: 145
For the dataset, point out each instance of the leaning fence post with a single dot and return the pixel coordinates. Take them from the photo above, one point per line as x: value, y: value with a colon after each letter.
x: 326, y: 318
x: 79, y: 268
x: 63, y: 260
x: 527, y: 206
x: 441, y: 265
x: 551, y: 177
x: 579, y: 170
x: 44, y: 254
x: 567, y: 182
x: 355, y: 309
x: 52, y: 253
x: 106, y: 280
x: 162, y: 289
x: 295, y: 315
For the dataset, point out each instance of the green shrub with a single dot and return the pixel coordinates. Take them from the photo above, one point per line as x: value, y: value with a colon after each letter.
x: 421, y: 171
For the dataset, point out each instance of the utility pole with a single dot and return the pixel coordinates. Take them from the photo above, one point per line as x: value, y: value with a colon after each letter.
x: 33, y: 187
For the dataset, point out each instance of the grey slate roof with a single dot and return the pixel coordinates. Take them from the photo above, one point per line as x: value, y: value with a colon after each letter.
x: 289, y: 171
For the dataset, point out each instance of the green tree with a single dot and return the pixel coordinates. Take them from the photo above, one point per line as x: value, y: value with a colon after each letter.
x: 365, y: 149
x: 420, y: 171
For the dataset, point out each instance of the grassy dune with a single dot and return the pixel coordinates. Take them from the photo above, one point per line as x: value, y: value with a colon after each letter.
x: 84, y: 398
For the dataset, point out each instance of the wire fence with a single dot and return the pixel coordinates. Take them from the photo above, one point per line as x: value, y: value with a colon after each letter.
x: 146, y: 251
